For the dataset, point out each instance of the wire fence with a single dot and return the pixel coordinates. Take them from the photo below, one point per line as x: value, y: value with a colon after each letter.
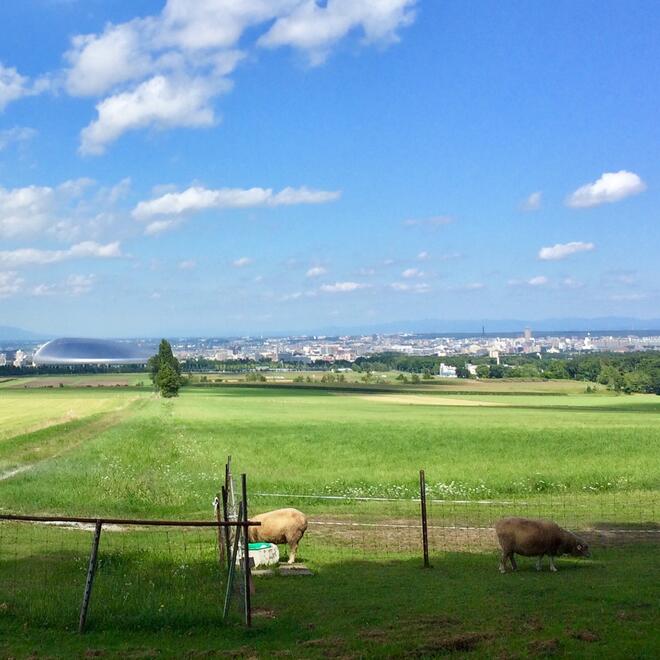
x: 384, y: 527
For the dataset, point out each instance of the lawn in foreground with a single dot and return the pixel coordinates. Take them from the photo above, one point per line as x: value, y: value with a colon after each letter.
x: 379, y: 607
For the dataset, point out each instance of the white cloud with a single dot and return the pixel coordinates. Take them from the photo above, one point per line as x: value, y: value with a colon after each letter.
x: 13, y: 86
x: 78, y: 285
x: 32, y: 256
x: 532, y: 203
x: 423, y: 255
x: 25, y: 211
x: 343, y: 287
x: 196, y: 199
x: 159, y: 102
x: 411, y: 272
x: 571, y: 283
x: 70, y: 211
x: 15, y: 135
x: 563, y: 250
x: 74, y: 285
x: 10, y: 284
x: 187, y: 264
x: 314, y: 28
x: 316, y: 271
x: 611, y: 187
x: 159, y: 226
x: 434, y: 222
x: 242, y: 262
x: 195, y: 45
x: 416, y: 287
x: 538, y: 280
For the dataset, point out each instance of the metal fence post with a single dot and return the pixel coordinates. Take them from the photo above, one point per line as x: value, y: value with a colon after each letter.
x: 91, y: 571
x: 246, y: 555
x: 425, y: 531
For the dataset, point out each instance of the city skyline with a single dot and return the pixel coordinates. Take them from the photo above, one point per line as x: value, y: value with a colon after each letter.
x: 173, y: 169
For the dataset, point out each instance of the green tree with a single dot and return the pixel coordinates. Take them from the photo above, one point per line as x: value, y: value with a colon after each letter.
x: 168, y: 381
x: 483, y: 371
x: 165, y: 370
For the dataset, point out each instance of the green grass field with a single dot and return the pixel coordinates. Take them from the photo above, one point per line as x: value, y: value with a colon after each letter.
x: 588, y: 460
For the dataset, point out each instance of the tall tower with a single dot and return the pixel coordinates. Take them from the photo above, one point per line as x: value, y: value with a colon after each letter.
x: 528, y: 334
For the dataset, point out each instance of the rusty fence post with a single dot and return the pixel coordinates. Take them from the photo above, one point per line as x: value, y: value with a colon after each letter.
x: 246, y: 555
x: 425, y: 529
x: 91, y: 571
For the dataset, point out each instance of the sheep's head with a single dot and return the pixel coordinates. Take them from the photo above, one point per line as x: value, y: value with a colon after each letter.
x: 580, y: 549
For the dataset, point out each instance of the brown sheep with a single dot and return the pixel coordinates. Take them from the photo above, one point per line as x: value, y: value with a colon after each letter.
x: 535, y: 538
x: 280, y: 526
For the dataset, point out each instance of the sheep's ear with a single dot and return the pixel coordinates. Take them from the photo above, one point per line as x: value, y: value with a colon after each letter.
x: 579, y: 547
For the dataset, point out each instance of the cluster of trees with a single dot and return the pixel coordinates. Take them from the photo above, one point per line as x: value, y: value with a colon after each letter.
x: 626, y: 372
x: 165, y: 371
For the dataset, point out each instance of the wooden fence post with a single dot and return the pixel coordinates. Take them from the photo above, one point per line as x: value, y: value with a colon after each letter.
x: 91, y: 571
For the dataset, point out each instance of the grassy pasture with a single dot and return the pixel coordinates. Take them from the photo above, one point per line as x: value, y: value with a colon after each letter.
x: 591, y: 458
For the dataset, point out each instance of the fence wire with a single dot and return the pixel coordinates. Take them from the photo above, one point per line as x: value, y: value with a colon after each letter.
x: 151, y: 577
x: 385, y: 527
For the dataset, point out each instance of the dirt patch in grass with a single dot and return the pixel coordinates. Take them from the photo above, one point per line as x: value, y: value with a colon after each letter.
x: 544, y: 647
x: 585, y: 636
x: 447, y: 644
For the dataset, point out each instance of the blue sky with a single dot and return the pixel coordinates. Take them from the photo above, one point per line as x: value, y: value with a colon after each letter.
x: 232, y: 166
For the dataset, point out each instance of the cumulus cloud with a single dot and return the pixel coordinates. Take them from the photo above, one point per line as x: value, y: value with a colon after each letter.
x: 423, y: 255
x: 74, y: 285
x: 413, y: 287
x: 70, y: 211
x: 172, y: 205
x: 13, y: 86
x: 532, y: 203
x: 142, y: 68
x: 412, y: 272
x: 33, y: 256
x: 159, y: 102
x: 16, y: 135
x: 563, y: 250
x: 25, y: 211
x: 187, y: 264
x: 611, y: 187
x: 315, y: 28
x: 10, y: 283
x: 538, y: 280
x: 242, y: 262
x: 316, y: 271
x: 343, y: 287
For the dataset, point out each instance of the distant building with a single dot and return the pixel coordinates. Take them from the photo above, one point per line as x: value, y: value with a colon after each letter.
x: 528, y: 334
x: 447, y: 371
x: 3, y: 359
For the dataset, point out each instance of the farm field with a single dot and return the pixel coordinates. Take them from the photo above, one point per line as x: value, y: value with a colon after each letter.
x: 589, y: 460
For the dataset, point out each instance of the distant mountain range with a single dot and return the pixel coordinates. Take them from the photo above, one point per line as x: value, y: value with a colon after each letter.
x: 8, y: 332
x: 490, y: 326
x: 618, y: 324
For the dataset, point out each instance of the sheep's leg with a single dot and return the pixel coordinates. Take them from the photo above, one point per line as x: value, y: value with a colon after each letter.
x: 503, y: 562
x: 293, y: 547
x: 553, y: 568
x: 512, y: 559
x: 538, y: 562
